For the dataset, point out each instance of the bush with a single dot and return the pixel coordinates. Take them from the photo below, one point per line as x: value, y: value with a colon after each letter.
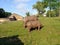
x: 4, y: 14
x: 52, y: 13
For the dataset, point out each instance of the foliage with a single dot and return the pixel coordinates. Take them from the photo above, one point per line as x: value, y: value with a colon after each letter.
x: 7, y: 14
x: 40, y: 7
x: 4, y: 14
x: 51, y: 13
x: 27, y: 14
x: 57, y: 12
x: 58, y: 7
x: 52, y: 4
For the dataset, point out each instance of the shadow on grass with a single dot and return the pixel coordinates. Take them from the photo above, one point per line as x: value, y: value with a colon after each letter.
x: 13, y: 40
x: 57, y: 44
x: 36, y: 28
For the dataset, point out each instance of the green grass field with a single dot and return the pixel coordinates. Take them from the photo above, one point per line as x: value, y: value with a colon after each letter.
x: 48, y: 35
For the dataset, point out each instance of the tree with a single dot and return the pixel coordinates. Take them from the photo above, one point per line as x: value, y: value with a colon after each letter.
x: 52, y: 4
x: 4, y: 14
x: 7, y: 14
x: 58, y: 7
x: 28, y: 14
x: 40, y: 7
x: 52, y: 13
x: 2, y: 11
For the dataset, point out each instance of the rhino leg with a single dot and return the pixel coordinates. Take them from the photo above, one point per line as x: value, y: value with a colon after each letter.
x: 38, y: 28
x: 29, y: 29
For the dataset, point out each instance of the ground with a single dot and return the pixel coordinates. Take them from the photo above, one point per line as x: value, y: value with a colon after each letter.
x: 48, y: 35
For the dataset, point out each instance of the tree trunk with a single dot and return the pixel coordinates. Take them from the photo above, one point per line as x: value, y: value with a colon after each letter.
x: 50, y: 12
x: 38, y: 13
x: 59, y: 8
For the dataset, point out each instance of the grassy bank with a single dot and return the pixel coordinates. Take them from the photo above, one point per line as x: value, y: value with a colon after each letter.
x: 48, y: 35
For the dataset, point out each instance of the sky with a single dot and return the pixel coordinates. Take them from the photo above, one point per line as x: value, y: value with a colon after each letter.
x: 18, y: 6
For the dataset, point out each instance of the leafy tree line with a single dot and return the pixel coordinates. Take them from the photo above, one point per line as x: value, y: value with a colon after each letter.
x: 53, y: 5
x: 4, y: 14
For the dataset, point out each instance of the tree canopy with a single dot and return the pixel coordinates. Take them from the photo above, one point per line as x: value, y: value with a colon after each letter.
x: 4, y: 14
x: 27, y: 14
x: 53, y: 5
x: 40, y: 7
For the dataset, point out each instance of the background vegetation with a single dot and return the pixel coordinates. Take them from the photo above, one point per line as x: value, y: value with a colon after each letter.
x: 52, y: 5
x: 4, y: 14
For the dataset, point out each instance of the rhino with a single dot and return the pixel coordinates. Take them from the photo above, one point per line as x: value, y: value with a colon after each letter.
x: 30, y: 18
x: 33, y: 24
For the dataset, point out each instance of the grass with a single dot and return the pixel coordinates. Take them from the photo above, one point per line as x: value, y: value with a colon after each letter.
x: 48, y: 35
